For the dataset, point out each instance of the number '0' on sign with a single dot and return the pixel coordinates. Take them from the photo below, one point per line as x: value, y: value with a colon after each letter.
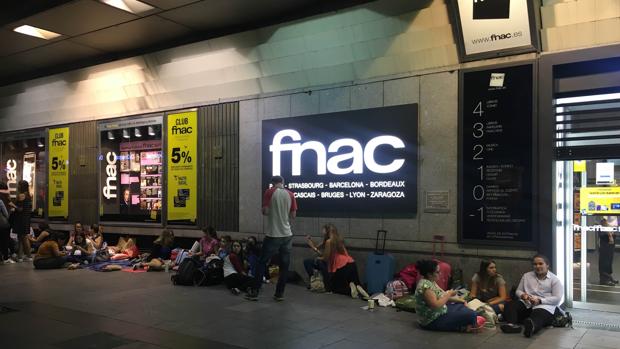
x: 178, y: 127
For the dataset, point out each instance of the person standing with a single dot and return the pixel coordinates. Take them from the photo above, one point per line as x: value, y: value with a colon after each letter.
x: 5, y: 231
x: 606, y: 249
x: 21, y: 220
x: 280, y: 206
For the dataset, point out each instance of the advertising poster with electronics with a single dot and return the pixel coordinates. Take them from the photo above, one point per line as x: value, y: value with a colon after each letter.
x: 182, y: 172
x: 360, y: 163
x: 58, y: 182
x: 599, y: 200
x: 131, y: 170
x: 498, y: 27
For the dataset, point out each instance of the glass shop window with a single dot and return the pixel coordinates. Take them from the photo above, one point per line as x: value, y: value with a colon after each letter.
x: 24, y: 158
x: 131, y: 170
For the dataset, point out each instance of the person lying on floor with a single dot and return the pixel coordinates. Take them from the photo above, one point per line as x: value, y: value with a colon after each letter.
x: 126, y: 248
x: 539, y: 294
x: 343, y: 276
x: 160, y: 252
x: 235, y: 276
x: 49, y: 255
x: 489, y: 286
x: 440, y: 310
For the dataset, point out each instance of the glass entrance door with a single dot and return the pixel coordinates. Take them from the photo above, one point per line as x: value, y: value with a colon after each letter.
x: 588, y: 211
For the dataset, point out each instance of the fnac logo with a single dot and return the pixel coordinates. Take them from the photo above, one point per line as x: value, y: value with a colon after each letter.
x: 359, y: 157
x: 491, y: 9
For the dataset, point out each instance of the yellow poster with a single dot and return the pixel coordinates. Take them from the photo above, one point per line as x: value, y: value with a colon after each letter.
x: 599, y: 200
x: 58, y: 182
x: 182, y: 169
x: 579, y: 166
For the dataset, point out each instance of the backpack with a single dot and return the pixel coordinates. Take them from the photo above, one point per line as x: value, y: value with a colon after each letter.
x: 213, y: 272
x: 316, y: 282
x: 406, y: 303
x: 562, y: 320
x: 410, y: 276
x: 188, y: 274
x: 396, y: 289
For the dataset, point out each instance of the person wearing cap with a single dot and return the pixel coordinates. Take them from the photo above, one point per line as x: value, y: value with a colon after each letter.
x: 280, y: 207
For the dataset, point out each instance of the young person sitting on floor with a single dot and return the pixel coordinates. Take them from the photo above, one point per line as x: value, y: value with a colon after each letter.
x: 540, y: 294
x: 49, y: 255
x: 82, y: 249
x: 235, y: 276
x: 440, y: 310
x: 208, y: 244
x: 44, y: 234
x: 343, y: 276
x: 160, y: 252
x: 251, y: 251
x: 77, y: 228
x: 96, y: 236
x: 489, y: 286
x: 222, y: 249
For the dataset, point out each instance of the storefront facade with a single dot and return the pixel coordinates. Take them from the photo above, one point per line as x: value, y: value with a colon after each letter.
x: 186, y: 137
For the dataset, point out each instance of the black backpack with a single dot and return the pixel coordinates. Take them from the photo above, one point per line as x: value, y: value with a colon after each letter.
x: 213, y: 273
x: 189, y: 273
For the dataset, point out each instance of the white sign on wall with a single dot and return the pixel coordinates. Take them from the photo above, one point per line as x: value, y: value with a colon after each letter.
x: 495, y: 27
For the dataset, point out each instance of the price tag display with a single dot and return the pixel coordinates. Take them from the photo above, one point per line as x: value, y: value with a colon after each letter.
x: 495, y: 162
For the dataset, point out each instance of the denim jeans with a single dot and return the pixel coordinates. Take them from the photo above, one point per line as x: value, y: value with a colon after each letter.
x: 456, y: 319
x: 312, y: 264
x: 272, y: 246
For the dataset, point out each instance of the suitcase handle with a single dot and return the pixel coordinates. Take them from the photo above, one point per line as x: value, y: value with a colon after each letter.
x: 441, y: 239
x: 377, y: 241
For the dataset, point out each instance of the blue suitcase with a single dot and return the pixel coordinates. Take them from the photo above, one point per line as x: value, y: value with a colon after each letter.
x: 380, y: 267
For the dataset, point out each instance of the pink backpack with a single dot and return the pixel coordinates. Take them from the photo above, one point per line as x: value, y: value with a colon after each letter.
x: 396, y: 289
x: 410, y: 276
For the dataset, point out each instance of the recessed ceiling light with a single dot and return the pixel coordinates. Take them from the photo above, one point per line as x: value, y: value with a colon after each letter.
x: 36, y: 32
x: 132, y: 6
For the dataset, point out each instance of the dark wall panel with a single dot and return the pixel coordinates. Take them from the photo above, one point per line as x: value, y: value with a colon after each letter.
x: 221, y: 165
x: 83, y: 172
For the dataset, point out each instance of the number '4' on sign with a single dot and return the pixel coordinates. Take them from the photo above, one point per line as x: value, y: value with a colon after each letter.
x: 478, y: 110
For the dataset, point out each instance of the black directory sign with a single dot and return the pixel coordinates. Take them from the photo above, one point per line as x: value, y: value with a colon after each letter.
x: 495, y: 156
x: 360, y: 163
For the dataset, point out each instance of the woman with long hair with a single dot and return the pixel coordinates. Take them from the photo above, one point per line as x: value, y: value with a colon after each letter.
x: 343, y: 276
x: 440, y: 310
x: 489, y: 286
x: 162, y: 247
x: 21, y: 220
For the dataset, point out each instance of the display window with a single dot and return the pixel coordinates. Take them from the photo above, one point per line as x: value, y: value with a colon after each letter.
x: 24, y: 158
x: 131, y: 170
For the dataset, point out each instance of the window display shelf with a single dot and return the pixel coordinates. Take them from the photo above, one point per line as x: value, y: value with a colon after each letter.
x: 151, y: 187
x: 150, y: 175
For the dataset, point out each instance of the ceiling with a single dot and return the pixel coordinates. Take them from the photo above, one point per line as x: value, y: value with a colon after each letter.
x: 94, y: 33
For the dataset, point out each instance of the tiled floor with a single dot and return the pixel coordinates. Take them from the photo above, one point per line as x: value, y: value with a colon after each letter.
x: 86, y: 309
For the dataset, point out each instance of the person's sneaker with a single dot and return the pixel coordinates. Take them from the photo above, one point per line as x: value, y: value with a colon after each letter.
x: 480, y: 321
x: 362, y: 292
x: 28, y: 259
x: 278, y: 298
x: 19, y: 260
x: 354, y: 293
x: 10, y: 261
x: 528, y: 327
x: 235, y: 291
x: 252, y: 295
x: 510, y: 328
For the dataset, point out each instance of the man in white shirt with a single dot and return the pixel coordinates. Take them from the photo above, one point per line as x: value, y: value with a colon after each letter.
x: 540, y: 294
x: 280, y: 206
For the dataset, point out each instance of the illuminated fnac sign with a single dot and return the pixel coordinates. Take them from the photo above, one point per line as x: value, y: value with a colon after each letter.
x: 109, y: 190
x: 360, y: 163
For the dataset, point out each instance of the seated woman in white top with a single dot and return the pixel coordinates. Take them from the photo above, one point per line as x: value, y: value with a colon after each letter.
x: 540, y: 294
